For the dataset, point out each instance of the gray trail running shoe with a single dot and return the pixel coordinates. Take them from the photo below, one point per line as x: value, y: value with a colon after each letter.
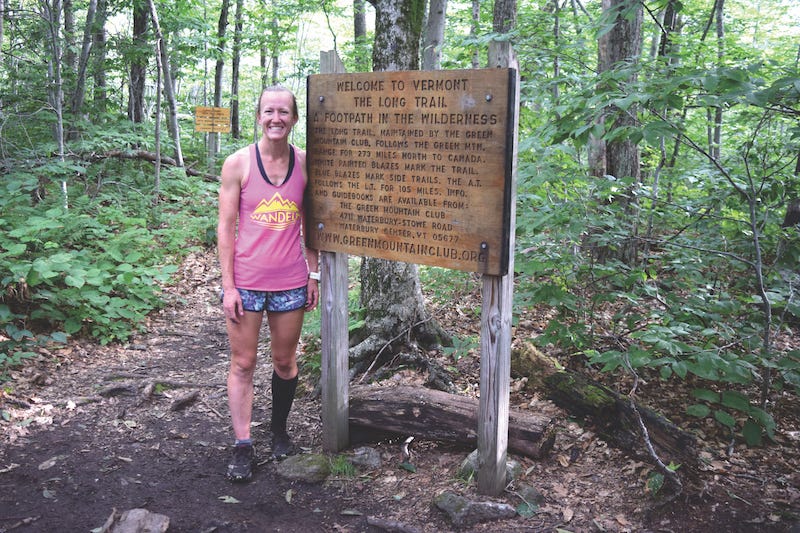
x: 282, y: 446
x: 241, y: 466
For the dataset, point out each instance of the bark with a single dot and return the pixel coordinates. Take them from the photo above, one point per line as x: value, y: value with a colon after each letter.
x: 473, y: 31
x: 169, y: 92
x: 504, y: 18
x: 70, y: 58
x: 398, y: 25
x: 99, y: 47
x: 2, y: 25
x: 376, y: 412
x: 83, y: 62
x: 620, y: 46
x: 396, y: 319
x: 395, y: 316
x: 611, y: 414
x: 360, y: 35
x: 222, y: 26
x: 716, y: 139
x: 138, y: 71
x: 235, y: 62
x: 792, y: 216
x: 434, y: 35
x: 556, y: 59
x: 55, y: 94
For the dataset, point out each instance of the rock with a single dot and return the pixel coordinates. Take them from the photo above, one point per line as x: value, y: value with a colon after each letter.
x: 464, y: 512
x: 469, y: 468
x: 310, y: 468
x: 530, y: 495
x: 366, y: 457
x: 141, y: 521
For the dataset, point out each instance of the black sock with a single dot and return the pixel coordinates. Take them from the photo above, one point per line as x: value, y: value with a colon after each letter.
x: 282, y: 399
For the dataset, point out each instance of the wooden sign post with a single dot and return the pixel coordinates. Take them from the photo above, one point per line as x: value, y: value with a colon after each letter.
x: 416, y: 166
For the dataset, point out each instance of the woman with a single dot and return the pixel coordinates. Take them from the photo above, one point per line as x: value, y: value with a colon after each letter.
x: 264, y: 268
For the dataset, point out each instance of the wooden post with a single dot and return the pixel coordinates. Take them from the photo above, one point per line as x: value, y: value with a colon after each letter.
x: 333, y: 328
x: 497, y: 296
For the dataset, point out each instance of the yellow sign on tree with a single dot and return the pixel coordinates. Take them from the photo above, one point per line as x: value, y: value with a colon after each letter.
x: 212, y: 119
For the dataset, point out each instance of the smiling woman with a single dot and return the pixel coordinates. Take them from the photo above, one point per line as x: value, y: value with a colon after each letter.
x: 265, y: 268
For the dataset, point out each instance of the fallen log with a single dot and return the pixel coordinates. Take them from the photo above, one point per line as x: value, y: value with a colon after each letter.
x: 611, y: 414
x: 151, y: 157
x: 440, y: 416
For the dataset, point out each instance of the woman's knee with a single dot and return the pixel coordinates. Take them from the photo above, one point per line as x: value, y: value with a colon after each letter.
x: 285, y: 367
x: 243, y: 364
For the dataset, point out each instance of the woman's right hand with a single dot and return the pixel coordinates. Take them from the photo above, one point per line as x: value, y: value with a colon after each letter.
x: 232, y: 305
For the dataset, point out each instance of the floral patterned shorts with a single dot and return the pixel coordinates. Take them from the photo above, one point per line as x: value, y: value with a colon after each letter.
x: 275, y: 301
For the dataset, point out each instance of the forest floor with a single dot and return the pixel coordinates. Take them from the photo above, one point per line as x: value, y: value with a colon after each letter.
x: 85, y: 434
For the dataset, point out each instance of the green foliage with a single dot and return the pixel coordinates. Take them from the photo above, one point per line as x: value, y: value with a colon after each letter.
x: 753, y: 427
x: 462, y: 346
x: 655, y: 480
x: 342, y: 467
x: 94, y: 268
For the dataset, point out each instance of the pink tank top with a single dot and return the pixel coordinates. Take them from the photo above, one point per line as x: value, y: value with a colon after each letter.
x: 269, y: 252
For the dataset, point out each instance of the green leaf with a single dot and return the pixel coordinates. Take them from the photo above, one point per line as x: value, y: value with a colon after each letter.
x: 724, y: 418
x: 699, y: 410
x: 706, y: 395
x: 765, y: 420
x: 752, y: 433
x: 74, y: 281
x: 679, y: 367
x: 405, y: 465
x: 736, y: 400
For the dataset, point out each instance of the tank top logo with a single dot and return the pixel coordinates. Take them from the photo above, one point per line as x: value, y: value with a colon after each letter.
x: 277, y: 213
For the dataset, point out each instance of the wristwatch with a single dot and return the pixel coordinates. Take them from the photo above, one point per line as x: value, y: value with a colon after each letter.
x: 313, y: 275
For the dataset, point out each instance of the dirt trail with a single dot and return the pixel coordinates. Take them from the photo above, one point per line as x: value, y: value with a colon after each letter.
x: 88, y: 433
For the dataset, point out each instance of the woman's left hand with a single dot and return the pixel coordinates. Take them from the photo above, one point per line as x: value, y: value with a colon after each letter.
x: 313, y: 295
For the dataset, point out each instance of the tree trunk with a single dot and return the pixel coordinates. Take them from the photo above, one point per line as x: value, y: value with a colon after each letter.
x: 396, y: 318
x: 473, y: 32
x: 236, y: 131
x: 398, y: 26
x: 83, y: 61
x: 55, y: 94
x: 138, y: 71
x: 622, y: 45
x: 716, y: 139
x: 70, y: 58
x: 434, y: 35
x: 620, y: 48
x: 360, y: 35
x: 613, y: 416
x: 163, y: 56
x: 376, y: 412
x: 219, y: 68
x: 100, y: 97
x: 2, y: 25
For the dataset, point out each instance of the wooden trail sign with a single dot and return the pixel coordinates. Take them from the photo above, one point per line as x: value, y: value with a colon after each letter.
x: 412, y: 166
x: 212, y: 119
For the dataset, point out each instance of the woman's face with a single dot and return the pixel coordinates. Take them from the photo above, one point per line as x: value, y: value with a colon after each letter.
x: 276, y: 114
